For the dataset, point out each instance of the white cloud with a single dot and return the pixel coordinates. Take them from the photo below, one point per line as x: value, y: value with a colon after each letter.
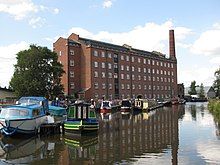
x: 149, y: 37
x: 24, y: 9
x: 8, y: 59
x: 107, y: 4
x: 200, y: 74
x: 37, y: 22
x: 215, y: 60
x: 209, y: 42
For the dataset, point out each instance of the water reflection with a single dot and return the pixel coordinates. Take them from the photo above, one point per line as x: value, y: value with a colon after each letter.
x: 184, y: 134
x: 121, y: 139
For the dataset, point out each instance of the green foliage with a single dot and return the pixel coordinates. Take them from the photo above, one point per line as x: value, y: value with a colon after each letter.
x: 217, y: 82
x: 214, y: 108
x: 192, y: 87
x: 201, y: 91
x: 37, y: 73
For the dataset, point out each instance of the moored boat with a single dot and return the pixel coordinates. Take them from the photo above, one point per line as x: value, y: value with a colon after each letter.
x: 109, y: 106
x: 126, y: 106
x: 81, y: 119
x: 140, y: 104
x: 25, y: 117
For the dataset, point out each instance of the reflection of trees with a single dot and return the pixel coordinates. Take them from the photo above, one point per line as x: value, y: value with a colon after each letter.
x: 202, y: 109
x: 193, y: 111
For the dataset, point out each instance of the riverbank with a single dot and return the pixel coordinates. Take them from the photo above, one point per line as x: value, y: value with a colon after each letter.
x: 214, y: 108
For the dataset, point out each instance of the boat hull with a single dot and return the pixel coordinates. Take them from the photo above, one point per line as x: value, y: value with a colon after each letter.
x: 81, y: 127
x: 22, y: 126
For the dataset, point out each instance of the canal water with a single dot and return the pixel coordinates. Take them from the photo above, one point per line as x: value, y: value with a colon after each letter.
x: 184, y: 134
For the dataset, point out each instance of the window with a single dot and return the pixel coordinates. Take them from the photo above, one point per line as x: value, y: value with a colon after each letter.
x: 109, y: 75
x: 132, y: 59
x: 161, y: 63
x: 148, y: 62
x: 128, y: 77
x: 144, y: 61
x: 171, y: 65
x: 103, y: 74
x: 149, y: 87
x: 95, y: 53
x: 96, y: 64
x: 71, y: 62
x: 71, y: 74
x: 149, y: 70
x: 115, y: 75
x: 103, y: 65
x: 158, y: 79
x: 122, y: 86
x: 168, y: 65
x: 139, y: 86
x: 122, y: 57
x: 72, y: 86
x: 109, y: 55
x: 133, y: 86
x: 149, y: 78
x: 122, y: 67
x: 139, y: 77
x: 139, y: 60
x: 153, y: 78
x: 127, y: 67
x: 103, y: 85
x: 139, y: 69
x: 161, y: 79
x: 127, y: 58
x: 60, y: 53
x: 165, y: 72
x: 161, y: 71
x: 153, y: 71
x: 172, y: 73
x: 168, y: 73
x: 145, y: 70
x: 71, y: 52
x: 152, y: 62
x: 157, y: 71
x: 109, y: 66
x: 128, y: 86
x: 96, y: 74
x: 96, y: 95
x: 96, y: 85
x: 145, y: 78
x: 110, y: 86
x: 132, y: 76
x: 115, y: 65
x: 122, y: 76
x: 157, y: 63
x: 132, y: 69
x: 103, y: 54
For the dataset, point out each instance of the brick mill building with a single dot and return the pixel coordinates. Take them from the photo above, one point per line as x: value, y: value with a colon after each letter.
x: 95, y: 69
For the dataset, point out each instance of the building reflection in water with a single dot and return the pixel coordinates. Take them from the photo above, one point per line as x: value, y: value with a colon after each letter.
x: 122, y: 138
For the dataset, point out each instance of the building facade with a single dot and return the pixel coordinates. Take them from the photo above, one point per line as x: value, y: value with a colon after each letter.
x: 95, y: 69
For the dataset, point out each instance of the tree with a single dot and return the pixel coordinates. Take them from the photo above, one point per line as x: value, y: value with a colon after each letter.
x: 201, y: 91
x: 37, y: 73
x: 192, y: 90
x: 217, y: 82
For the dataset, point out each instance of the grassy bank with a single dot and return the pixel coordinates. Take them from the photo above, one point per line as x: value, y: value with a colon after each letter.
x: 214, y: 108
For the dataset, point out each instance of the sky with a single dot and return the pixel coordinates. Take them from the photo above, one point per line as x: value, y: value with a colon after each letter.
x: 142, y: 24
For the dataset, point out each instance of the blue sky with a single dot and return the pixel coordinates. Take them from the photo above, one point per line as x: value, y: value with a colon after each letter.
x: 143, y: 24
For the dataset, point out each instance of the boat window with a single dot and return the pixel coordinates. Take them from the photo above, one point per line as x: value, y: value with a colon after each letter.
x: 92, y: 113
x: 10, y: 112
x: 28, y: 101
x: 105, y: 104
x: 71, y: 112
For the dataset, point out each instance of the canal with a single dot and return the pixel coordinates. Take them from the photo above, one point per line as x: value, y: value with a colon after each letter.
x: 184, y: 134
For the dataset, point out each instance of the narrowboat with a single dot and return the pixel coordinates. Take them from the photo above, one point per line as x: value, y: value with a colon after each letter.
x: 126, y: 106
x: 81, y: 119
x: 25, y: 117
x: 140, y: 104
x: 109, y: 106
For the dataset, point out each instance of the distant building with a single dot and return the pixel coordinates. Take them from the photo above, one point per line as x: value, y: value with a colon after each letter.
x: 95, y: 69
x: 211, y: 93
x: 180, y: 90
x: 6, y: 95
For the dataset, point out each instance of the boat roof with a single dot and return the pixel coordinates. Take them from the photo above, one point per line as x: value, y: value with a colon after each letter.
x: 34, y: 98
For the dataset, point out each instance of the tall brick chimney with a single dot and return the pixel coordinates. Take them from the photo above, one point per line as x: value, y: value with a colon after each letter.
x: 172, y: 44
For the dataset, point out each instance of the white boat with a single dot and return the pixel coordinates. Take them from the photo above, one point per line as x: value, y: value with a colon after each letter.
x: 25, y: 117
